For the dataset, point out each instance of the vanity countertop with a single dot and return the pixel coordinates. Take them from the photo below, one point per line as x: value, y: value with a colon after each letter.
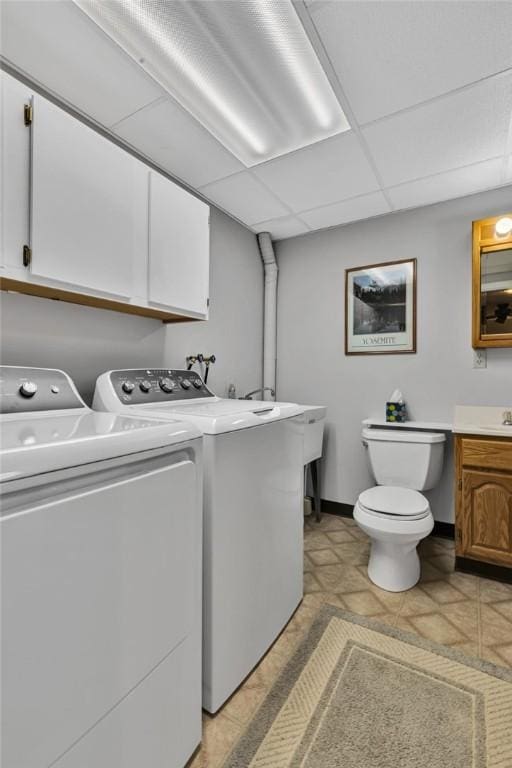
x: 481, y: 420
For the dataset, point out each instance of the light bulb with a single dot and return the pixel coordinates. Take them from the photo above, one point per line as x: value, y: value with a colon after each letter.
x: 503, y: 226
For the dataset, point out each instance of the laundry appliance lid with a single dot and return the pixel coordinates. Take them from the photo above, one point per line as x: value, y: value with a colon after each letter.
x: 40, y: 442
x: 219, y: 415
x: 392, y: 500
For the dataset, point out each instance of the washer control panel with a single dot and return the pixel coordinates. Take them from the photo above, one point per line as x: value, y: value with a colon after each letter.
x: 24, y: 390
x: 158, y: 385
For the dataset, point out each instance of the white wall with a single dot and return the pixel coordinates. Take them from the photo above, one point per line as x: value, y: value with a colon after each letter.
x: 86, y: 341
x: 313, y: 368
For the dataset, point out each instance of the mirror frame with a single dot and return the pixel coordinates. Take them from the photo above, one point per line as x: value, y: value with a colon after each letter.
x: 486, y: 240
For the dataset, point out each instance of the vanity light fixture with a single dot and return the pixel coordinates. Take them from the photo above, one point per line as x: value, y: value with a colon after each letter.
x: 246, y: 70
x: 503, y: 226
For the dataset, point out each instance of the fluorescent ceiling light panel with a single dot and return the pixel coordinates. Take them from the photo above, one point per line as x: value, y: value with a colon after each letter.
x: 246, y: 69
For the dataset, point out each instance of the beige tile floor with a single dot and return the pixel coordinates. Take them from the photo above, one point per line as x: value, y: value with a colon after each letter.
x: 462, y: 611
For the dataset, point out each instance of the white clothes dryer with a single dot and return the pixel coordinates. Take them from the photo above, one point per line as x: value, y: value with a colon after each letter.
x: 253, y: 512
x: 100, y: 581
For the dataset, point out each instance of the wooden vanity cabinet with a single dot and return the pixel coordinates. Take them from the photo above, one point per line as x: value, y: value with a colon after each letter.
x: 483, y: 493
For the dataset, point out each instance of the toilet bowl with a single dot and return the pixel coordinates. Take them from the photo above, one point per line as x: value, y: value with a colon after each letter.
x: 395, y: 519
x: 394, y: 514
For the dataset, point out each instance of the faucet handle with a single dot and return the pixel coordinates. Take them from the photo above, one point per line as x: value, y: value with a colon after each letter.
x: 507, y: 418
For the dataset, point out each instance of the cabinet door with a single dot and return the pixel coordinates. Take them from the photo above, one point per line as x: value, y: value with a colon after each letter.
x: 179, y: 245
x: 88, y: 205
x: 486, y: 516
x: 14, y: 171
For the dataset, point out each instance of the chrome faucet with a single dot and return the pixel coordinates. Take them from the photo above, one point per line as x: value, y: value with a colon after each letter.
x: 507, y: 418
x: 249, y: 395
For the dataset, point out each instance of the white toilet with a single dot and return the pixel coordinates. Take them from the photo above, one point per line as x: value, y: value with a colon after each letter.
x: 394, y: 514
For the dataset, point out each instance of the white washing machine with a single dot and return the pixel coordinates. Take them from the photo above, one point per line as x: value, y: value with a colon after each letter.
x: 253, y: 521
x: 100, y: 581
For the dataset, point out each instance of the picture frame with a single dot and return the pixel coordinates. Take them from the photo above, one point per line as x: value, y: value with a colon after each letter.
x: 380, y: 308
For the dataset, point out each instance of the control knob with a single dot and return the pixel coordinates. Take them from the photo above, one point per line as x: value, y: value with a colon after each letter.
x: 197, y: 383
x: 167, y: 384
x: 145, y: 385
x: 28, y: 389
x: 185, y: 384
x: 128, y: 387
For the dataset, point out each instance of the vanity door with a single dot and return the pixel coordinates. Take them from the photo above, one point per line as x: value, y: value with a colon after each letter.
x: 486, y: 516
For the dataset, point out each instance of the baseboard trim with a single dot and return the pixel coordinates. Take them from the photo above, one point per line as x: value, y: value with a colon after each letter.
x: 337, y: 508
x: 446, y: 530
x: 488, y: 570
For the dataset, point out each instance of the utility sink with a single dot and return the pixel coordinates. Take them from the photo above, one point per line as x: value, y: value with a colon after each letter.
x: 481, y: 420
x: 314, y: 422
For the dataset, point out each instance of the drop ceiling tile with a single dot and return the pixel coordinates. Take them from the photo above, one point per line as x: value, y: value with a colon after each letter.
x: 59, y: 47
x: 171, y: 137
x: 323, y: 173
x: 289, y: 226
x: 244, y: 197
x: 457, y: 130
x: 445, y: 186
x: 389, y: 56
x: 363, y: 207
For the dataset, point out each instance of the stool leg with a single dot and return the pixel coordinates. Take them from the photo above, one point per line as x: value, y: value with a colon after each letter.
x: 316, y: 489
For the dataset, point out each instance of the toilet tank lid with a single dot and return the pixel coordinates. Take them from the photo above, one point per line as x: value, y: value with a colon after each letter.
x: 403, y: 436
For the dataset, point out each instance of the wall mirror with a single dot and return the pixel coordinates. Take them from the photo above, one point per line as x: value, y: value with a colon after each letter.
x: 492, y: 282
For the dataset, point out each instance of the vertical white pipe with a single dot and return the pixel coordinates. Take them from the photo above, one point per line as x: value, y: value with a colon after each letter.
x: 270, y: 313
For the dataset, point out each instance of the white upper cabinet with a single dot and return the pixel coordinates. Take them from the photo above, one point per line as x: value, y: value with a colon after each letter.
x: 14, y: 171
x: 84, y: 221
x: 88, y: 212
x: 179, y: 240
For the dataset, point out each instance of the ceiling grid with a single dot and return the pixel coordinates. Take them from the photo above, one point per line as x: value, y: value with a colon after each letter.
x: 426, y: 89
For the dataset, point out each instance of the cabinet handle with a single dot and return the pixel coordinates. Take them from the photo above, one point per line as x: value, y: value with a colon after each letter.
x: 27, y: 256
x: 27, y: 114
x: 459, y: 484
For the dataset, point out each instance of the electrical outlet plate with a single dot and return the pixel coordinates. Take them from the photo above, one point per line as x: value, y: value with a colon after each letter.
x: 479, y: 358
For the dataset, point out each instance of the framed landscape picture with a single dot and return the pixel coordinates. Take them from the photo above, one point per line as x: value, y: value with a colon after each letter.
x: 380, y: 308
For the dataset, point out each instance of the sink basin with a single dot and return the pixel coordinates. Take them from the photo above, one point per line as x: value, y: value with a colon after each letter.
x: 481, y: 420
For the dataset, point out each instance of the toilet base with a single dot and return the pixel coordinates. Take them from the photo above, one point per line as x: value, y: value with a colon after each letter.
x: 394, y: 567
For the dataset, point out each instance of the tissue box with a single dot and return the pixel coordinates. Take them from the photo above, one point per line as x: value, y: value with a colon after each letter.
x: 396, y: 412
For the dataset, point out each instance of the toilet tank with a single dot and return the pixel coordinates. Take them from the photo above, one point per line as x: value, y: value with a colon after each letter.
x: 407, y: 458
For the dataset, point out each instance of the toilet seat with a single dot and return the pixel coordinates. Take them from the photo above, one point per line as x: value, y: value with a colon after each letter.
x: 392, y: 502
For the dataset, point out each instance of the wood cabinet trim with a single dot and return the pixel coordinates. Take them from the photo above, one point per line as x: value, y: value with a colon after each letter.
x: 479, y: 436
x: 481, y: 242
x: 72, y: 297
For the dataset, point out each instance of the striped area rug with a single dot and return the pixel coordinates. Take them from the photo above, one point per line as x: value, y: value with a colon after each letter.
x: 359, y: 694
